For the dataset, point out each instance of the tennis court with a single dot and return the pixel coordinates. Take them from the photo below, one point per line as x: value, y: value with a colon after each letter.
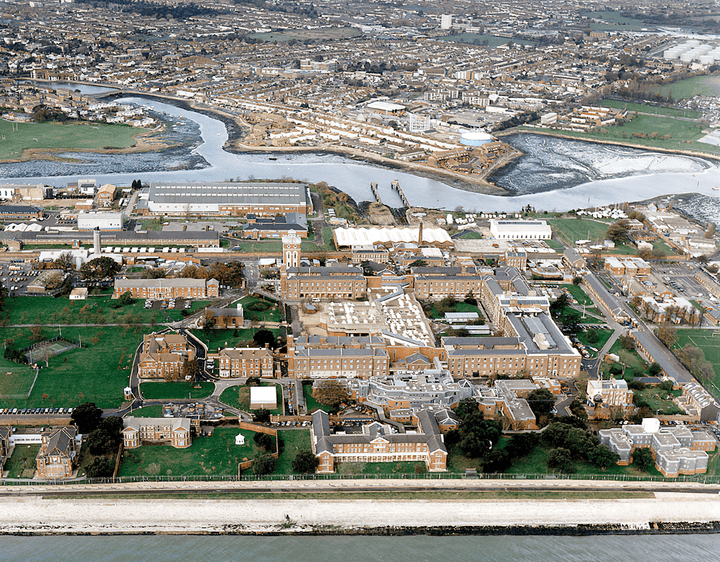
x: 48, y: 349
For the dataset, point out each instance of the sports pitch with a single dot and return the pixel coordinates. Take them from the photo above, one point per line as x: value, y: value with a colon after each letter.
x: 709, y: 342
x: 51, y: 349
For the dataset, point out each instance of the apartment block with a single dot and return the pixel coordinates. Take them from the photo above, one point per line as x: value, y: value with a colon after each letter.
x: 163, y: 289
x: 244, y: 362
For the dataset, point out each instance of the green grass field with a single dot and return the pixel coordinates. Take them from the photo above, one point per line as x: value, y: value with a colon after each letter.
x: 416, y: 467
x: 699, y: 85
x: 604, y: 336
x: 217, y: 339
x: 653, y: 109
x: 459, y: 307
x: 176, y: 390
x: 684, y: 134
x: 327, y: 244
x: 238, y: 396
x: 710, y: 345
x: 265, y: 247
x: 311, y: 403
x: 49, y: 311
x: 148, y: 412
x: 22, y: 462
x: 293, y: 441
x: 97, y: 372
x: 536, y: 463
x: 578, y: 294
x: 571, y: 230
x: 15, y: 379
x: 634, y: 364
x: 83, y: 136
x: 272, y: 314
x: 216, y: 455
x: 659, y: 400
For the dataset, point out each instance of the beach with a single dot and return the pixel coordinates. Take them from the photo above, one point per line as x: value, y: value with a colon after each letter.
x: 25, y: 513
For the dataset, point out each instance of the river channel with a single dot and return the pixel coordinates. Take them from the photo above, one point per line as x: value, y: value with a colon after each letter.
x: 554, y: 175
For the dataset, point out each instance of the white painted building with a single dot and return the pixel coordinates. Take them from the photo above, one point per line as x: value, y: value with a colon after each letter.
x: 101, y: 220
x: 520, y: 229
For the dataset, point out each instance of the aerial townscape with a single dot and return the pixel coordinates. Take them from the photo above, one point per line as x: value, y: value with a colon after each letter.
x: 365, y: 245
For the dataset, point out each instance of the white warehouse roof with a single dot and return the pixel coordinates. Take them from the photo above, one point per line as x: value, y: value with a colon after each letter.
x: 368, y: 236
x: 520, y: 229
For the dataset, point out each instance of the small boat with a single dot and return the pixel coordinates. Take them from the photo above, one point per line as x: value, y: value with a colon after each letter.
x: 716, y: 188
x: 272, y: 158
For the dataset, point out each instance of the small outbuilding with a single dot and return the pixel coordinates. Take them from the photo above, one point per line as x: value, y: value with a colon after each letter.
x: 79, y: 294
x: 239, y: 439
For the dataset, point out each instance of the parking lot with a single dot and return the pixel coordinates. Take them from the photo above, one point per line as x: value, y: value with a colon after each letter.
x: 35, y: 411
x: 180, y: 304
x: 679, y: 278
x: 16, y: 276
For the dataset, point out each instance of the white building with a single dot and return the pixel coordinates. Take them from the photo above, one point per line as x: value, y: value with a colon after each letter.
x: 520, y: 229
x: 446, y: 21
x: 103, y: 221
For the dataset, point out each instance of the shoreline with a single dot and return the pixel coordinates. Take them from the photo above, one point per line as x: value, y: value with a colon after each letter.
x: 559, y: 135
x: 234, y: 146
x: 41, y: 516
x: 670, y: 507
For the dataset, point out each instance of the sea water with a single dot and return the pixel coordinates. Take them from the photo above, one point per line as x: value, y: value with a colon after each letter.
x: 172, y: 548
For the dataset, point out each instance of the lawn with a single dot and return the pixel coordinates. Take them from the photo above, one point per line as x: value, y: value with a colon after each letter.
x: 655, y: 110
x: 217, y: 455
x: 460, y: 306
x: 49, y: 311
x: 315, y: 245
x: 272, y: 314
x: 536, y: 463
x: 571, y: 230
x: 312, y: 404
x: 409, y: 467
x: 148, y: 412
x: 238, y: 396
x: 176, y: 390
x: 220, y: 339
x: 710, y: 345
x: 578, y: 294
x: 603, y: 337
x: 714, y: 463
x: 699, y: 85
x: 22, y: 462
x: 683, y: 134
x: 15, y: 379
x: 635, y: 366
x: 292, y: 442
x: 96, y: 372
x: 265, y: 247
x: 660, y: 401
x: 75, y: 136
